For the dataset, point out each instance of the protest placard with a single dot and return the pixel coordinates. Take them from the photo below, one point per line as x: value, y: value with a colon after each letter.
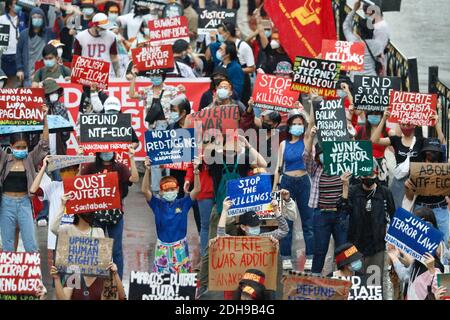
x: 249, y: 194
x: 298, y: 286
x: 168, y: 30
x: 124, y: 158
x: 87, y: 71
x: 210, y: 18
x: 92, y: 192
x: 56, y: 123
x: 274, y: 93
x: 18, y: 297
x: 87, y: 256
x: 363, y: 289
x: 20, y: 272
x: 413, y: 235
x: 331, y: 121
x: 316, y: 75
x: 443, y: 280
x: 49, y: 2
x: 57, y: 162
x: 183, y: 166
x: 431, y: 179
x: 21, y: 106
x: 215, y: 120
x: 372, y: 93
x: 350, y: 54
x: 4, y: 37
x: 413, y: 108
x: 170, y: 146
x: 153, y: 57
x: 230, y: 257
x: 348, y: 156
x: 105, y: 132
x: 160, y: 286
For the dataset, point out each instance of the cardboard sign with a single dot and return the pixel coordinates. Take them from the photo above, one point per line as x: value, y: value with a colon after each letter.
x: 4, y: 36
x: 170, y: 146
x: 308, y: 287
x: 249, y: 194
x: 443, y: 280
x: 93, y: 192
x: 57, y: 162
x: 431, y: 179
x: 210, y: 18
x: 372, y: 93
x: 105, y: 132
x: 331, y: 121
x: 348, y: 156
x: 413, y: 108
x: 216, y: 120
x: 316, y: 75
x: 87, y: 71
x: 153, y: 57
x: 21, y: 106
x: 274, y: 93
x: 86, y: 256
x: 168, y: 30
x: 230, y: 257
x: 350, y: 54
x: 361, y: 289
x: 412, y: 235
x: 20, y: 272
x: 160, y: 286
x: 55, y: 123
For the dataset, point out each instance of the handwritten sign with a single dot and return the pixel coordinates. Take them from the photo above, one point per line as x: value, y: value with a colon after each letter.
x: 55, y: 123
x: 274, y: 93
x: 160, y: 286
x: 183, y: 166
x: 86, y: 256
x: 92, y: 193
x: 331, y: 121
x: 168, y: 30
x: 443, y: 280
x: 20, y: 272
x: 4, y: 36
x: 230, y: 257
x: 21, y: 106
x: 210, y: 18
x: 105, y: 132
x: 297, y: 286
x: 316, y: 75
x: 412, y: 235
x: 413, y: 108
x: 153, y: 57
x: 249, y: 194
x: 348, y: 156
x: 215, y: 120
x: 350, y: 54
x: 87, y: 71
x: 373, y: 93
x: 431, y: 179
x: 57, y: 162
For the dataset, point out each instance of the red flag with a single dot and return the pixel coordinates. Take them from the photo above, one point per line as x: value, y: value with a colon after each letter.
x: 302, y: 25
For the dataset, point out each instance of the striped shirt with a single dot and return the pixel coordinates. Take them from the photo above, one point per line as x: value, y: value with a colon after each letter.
x: 315, y: 171
x: 330, y: 191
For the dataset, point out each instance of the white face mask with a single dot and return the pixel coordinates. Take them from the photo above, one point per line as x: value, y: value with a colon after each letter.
x: 53, y: 97
x: 274, y: 44
x: 60, y: 52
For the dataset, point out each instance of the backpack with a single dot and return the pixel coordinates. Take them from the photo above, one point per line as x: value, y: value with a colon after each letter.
x: 221, y: 192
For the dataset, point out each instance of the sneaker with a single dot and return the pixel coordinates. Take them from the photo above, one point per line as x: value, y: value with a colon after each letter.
x: 42, y: 223
x: 308, y: 265
x: 287, y: 264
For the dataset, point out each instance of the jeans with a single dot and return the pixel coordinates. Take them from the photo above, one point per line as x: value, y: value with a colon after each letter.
x: 205, y: 207
x: 327, y: 223
x: 17, y: 211
x: 115, y: 231
x: 299, y: 187
x: 442, y: 219
x: 43, y: 214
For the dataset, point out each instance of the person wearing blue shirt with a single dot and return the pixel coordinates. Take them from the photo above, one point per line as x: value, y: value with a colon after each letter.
x: 171, y: 218
x: 227, y: 54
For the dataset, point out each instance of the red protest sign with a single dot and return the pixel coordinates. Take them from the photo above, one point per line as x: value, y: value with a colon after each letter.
x: 215, y: 120
x: 21, y: 106
x: 167, y: 31
x: 20, y: 272
x: 92, y: 192
x: 87, y: 71
x: 153, y: 57
x: 350, y: 54
x: 123, y: 158
x: 274, y: 93
x: 412, y: 108
x: 182, y: 166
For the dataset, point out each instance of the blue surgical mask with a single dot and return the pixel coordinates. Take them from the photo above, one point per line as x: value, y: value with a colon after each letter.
x: 341, y: 93
x: 170, y: 195
x: 37, y: 22
x: 88, y: 11
x: 268, y: 33
x: 219, y: 56
x: 106, y: 156
x: 112, y: 17
x: 156, y: 81
x: 220, y: 38
x: 174, y: 116
x: 321, y: 158
x: 254, y: 231
x: 19, y: 154
x: 356, y: 265
x: 50, y: 63
x: 17, y: 9
x: 374, y: 119
x: 297, y: 130
x: 222, y: 93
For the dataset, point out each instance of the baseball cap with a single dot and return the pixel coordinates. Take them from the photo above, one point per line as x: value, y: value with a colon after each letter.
x: 431, y: 144
x: 101, y: 20
x: 112, y: 103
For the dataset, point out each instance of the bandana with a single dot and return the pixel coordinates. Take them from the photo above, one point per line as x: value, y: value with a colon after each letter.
x: 168, y: 185
x: 346, y: 254
x: 254, y: 277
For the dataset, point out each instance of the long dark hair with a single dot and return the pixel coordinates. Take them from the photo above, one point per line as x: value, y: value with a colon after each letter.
x: 20, y: 136
x: 366, y: 131
x: 289, y: 124
x: 99, y: 166
x: 427, y: 215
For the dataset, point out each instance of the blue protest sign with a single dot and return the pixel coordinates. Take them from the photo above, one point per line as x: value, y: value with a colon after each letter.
x: 170, y: 146
x: 55, y: 123
x: 249, y: 194
x: 412, y: 235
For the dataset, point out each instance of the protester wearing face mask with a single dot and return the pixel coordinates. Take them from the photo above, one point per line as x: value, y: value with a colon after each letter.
x: 52, y: 69
x: 88, y: 10
x: 142, y: 36
x: 132, y: 21
x: 180, y: 50
x: 376, y: 21
x: 171, y: 218
x: 252, y: 286
x: 217, y: 76
x: 16, y: 177
x: 348, y: 261
x: 291, y: 174
x: 227, y: 54
x: 111, y: 221
x: 112, y: 10
x: 31, y: 44
x: 370, y: 207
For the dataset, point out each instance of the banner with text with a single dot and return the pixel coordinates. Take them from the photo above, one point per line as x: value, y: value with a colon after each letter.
x: 348, y: 156
x: 372, y: 93
x: 210, y: 18
x: 21, y: 106
x: 413, y: 108
x: 153, y: 57
x: 350, y: 54
x: 87, y: 71
x: 431, y: 179
x: 217, y: 120
x: 57, y: 162
x: 363, y: 289
x: 168, y: 30
x: 20, y: 272
x: 331, y: 121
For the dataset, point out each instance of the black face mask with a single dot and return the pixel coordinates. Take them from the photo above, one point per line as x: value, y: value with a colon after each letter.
x: 266, y: 126
x: 88, y: 217
x: 142, y: 11
x: 368, y: 182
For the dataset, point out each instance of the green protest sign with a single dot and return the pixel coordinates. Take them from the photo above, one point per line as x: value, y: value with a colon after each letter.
x: 348, y: 156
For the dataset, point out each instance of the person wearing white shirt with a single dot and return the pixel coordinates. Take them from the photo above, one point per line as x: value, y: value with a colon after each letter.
x: 11, y: 19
